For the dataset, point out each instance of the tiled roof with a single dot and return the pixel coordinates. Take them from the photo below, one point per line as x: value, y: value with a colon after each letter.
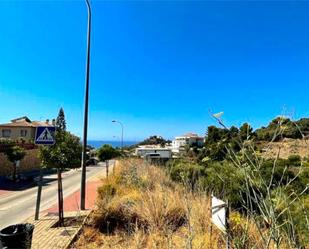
x: 25, y: 124
x: 24, y: 118
x: 40, y: 123
x: 18, y: 124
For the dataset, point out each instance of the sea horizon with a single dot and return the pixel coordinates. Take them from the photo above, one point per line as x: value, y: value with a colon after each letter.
x: 98, y: 143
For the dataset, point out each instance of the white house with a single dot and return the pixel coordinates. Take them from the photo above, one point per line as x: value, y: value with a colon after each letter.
x: 155, y: 152
x: 180, y: 142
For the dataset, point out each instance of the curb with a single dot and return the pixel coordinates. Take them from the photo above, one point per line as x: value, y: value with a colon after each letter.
x: 73, y: 239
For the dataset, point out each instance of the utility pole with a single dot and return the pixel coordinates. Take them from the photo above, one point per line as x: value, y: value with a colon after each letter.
x: 83, y: 163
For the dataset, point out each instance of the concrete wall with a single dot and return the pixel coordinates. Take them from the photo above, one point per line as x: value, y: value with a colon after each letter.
x: 164, y: 153
x: 30, y: 162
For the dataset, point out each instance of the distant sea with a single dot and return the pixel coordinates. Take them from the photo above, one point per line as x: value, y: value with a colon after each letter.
x: 98, y: 143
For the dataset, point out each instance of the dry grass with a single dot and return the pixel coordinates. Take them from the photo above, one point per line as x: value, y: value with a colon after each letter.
x: 140, y: 207
x: 287, y: 148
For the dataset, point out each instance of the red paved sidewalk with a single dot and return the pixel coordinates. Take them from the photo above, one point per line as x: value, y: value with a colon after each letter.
x: 72, y: 202
x: 4, y: 192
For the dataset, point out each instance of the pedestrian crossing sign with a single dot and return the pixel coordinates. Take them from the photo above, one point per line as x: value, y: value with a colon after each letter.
x: 45, y: 135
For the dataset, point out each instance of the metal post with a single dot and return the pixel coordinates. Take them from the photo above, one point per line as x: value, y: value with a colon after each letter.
x: 60, y: 198
x: 83, y: 163
x: 121, y: 137
x: 38, y: 198
x: 227, y: 225
x: 107, y: 169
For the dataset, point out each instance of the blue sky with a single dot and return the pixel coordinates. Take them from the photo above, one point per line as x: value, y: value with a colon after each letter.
x: 159, y: 67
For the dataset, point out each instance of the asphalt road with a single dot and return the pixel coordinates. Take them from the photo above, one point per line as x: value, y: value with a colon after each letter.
x: 20, y: 205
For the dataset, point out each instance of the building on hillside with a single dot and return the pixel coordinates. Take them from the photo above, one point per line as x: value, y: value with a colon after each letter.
x: 153, y: 152
x: 22, y: 129
x: 179, y: 143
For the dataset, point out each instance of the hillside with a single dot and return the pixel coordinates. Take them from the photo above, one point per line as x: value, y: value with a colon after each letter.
x: 282, y: 127
x: 285, y: 148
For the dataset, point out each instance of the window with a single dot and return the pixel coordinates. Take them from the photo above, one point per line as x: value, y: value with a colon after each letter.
x: 23, y: 133
x: 6, y: 133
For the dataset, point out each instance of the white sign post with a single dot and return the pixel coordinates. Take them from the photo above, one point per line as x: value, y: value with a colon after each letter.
x: 220, y: 216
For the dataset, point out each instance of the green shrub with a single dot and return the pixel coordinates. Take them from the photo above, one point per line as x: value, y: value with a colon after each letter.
x: 222, y: 179
x: 107, y: 152
x: 225, y: 181
x: 186, y: 172
x: 294, y: 160
x: 277, y: 172
x: 303, y: 179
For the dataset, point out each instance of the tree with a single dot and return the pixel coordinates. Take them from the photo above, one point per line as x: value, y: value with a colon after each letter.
x: 282, y: 127
x: 107, y: 152
x: 218, y: 141
x: 155, y: 140
x: 65, y: 153
x: 245, y: 132
x: 14, y: 154
x: 60, y: 121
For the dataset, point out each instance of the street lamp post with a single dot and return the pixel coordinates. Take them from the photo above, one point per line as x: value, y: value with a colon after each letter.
x: 116, y: 121
x: 83, y: 163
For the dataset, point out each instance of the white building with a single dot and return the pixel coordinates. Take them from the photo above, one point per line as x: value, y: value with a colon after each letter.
x: 180, y: 142
x: 154, y: 152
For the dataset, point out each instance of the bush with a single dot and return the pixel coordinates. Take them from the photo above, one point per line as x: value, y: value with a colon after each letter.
x: 107, y: 152
x: 294, y: 160
x: 186, y: 172
x: 14, y: 154
x: 107, y: 190
x: 124, y: 203
x: 278, y: 173
x: 225, y: 181
x: 220, y: 178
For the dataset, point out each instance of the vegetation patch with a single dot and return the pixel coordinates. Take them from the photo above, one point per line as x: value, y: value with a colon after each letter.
x: 140, y: 206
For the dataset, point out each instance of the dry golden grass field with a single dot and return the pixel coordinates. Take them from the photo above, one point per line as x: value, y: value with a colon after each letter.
x: 286, y: 148
x: 140, y: 207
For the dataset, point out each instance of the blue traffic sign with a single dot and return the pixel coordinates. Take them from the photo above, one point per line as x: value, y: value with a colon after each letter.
x: 45, y: 135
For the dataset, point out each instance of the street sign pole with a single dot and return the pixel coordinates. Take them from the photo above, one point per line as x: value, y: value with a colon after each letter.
x: 38, y: 199
x: 44, y: 135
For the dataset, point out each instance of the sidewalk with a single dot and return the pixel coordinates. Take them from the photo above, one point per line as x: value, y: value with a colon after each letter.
x: 72, y: 202
x: 46, y: 237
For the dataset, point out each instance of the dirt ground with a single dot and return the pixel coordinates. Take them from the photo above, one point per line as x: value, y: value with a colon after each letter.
x: 286, y: 148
